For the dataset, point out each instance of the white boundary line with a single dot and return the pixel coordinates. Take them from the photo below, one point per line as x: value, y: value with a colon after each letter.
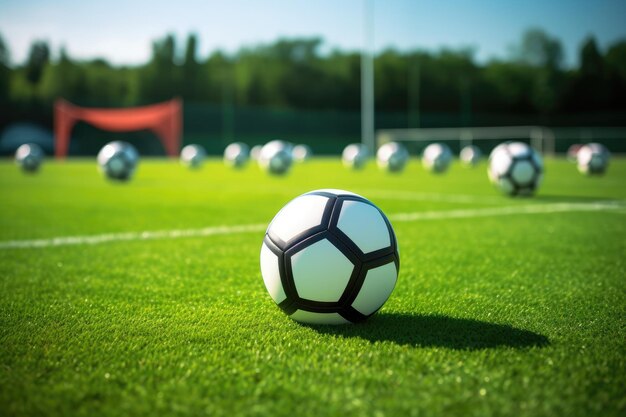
x: 504, y: 211
x: 434, y: 197
x: 127, y: 236
x: 222, y: 230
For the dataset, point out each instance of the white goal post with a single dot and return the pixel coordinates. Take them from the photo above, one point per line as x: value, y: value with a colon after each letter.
x: 543, y: 139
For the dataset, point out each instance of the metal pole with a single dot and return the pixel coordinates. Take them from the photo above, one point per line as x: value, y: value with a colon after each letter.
x: 367, y: 77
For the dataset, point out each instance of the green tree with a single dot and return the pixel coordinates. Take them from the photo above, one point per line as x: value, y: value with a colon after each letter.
x: 159, y: 78
x: 5, y: 72
x: 591, y: 60
x: 616, y: 72
x: 190, y: 70
x: 38, y: 57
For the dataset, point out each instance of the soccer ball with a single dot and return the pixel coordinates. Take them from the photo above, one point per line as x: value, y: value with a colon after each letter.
x: 330, y: 257
x: 29, y: 157
x: 593, y: 158
x: 236, y: 154
x: 255, y: 152
x: 355, y: 156
x: 392, y: 157
x: 515, y: 168
x: 470, y: 155
x: 301, y: 153
x: 118, y: 160
x: 192, y: 156
x: 276, y: 157
x: 437, y: 157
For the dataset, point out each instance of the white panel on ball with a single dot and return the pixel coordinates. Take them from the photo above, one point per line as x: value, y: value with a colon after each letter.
x: 505, y: 185
x: 523, y: 172
x: 117, y: 166
x: 500, y: 162
x: 519, y: 149
x: 318, y: 318
x: 271, y: 274
x: 298, y: 216
x: 377, y: 287
x: 321, y: 272
x: 355, y: 214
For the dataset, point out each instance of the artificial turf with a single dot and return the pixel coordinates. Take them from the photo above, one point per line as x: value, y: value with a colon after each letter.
x: 520, y: 314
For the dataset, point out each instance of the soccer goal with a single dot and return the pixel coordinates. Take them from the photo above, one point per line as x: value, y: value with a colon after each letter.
x: 547, y: 140
x: 164, y: 119
x: 541, y: 138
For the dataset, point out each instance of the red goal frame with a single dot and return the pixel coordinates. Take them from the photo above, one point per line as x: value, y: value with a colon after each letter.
x: 164, y: 119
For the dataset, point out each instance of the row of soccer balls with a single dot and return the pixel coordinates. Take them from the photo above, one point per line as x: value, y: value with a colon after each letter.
x: 514, y: 167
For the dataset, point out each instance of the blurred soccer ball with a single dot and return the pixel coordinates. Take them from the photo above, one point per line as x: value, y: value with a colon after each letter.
x: 515, y: 168
x: 236, y: 154
x: 29, y: 157
x: 118, y: 160
x: 437, y: 157
x: 470, y: 155
x: 255, y: 152
x: 392, y: 157
x: 301, y: 153
x: 593, y: 159
x: 276, y: 157
x: 192, y: 156
x: 330, y: 257
x: 355, y: 156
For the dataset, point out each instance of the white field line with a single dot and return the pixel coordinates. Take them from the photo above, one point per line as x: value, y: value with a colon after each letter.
x: 504, y: 211
x: 223, y: 230
x: 434, y: 197
x: 126, y: 236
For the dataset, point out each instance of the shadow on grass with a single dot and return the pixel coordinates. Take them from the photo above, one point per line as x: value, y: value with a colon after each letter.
x: 437, y: 331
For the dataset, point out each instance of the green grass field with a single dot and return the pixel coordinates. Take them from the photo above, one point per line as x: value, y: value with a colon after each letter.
x: 503, y: 306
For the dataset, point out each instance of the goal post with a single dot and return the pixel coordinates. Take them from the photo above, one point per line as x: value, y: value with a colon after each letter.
x: 164, y: 119
x: 547, y: 140
x: 541, y: 138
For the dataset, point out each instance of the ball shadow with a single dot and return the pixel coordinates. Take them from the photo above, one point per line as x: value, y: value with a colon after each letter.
x: 437, y: 331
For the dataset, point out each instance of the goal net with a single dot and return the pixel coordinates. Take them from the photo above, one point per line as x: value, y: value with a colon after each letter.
x: 548, y: 141
x: 164, y: 119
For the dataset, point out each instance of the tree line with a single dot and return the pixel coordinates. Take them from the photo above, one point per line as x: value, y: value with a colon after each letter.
x: 294, y: 74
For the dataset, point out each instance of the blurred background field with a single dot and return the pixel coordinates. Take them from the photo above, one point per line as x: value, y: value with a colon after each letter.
x: 533, y: 70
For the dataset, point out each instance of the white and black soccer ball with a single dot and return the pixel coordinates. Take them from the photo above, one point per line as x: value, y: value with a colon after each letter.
x: 515, y: 168
x: 236, y: 154
x: 276, y: 157
x: 593, y: 159
x: 392, y: 157
x: 118, y: 160
x: 437, y: 157
x: 29, y: 157
x: 301, y: 153
x: 355, y: 156
x: 330, y: 257
x: 470, y: 155
x: 192, y: 156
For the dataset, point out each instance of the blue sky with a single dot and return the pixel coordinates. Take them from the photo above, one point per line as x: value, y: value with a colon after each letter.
x: 122, y: 30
